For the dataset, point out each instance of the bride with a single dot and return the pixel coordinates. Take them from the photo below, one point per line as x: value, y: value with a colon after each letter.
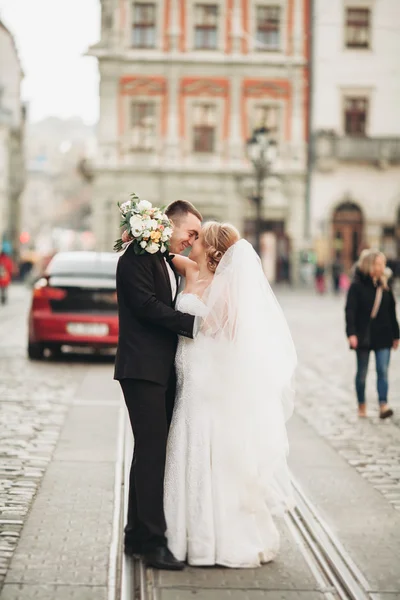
x: 226, y: 472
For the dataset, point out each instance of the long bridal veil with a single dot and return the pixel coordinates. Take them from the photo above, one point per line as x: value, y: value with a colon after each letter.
x: 245, y: 370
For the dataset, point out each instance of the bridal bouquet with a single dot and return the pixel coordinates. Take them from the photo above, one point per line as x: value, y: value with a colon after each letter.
x: 148, y: 228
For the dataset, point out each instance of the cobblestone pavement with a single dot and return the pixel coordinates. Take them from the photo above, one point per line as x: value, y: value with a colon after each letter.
x: 34, y: 398
x: 326, y: 396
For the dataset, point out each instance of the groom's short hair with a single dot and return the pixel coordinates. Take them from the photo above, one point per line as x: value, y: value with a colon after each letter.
x: 181, y: 208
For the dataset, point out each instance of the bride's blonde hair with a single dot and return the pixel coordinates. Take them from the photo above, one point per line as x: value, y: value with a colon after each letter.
x: 217, y: 238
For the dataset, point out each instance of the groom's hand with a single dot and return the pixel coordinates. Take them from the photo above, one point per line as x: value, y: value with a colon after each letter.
x: 126, y: 237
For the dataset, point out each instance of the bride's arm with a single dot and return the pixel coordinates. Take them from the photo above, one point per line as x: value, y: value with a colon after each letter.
x: 185, y: 266
x: 221, y: 319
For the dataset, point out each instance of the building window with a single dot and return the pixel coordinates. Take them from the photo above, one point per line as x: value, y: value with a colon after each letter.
x: 143, y: 126
x: 358, y: 27
x: 206, y: 27
x: 268, y: 116
x: 355, y: 114
x: 144, y: 25
x: 268, y: 27
x: 204, y: 128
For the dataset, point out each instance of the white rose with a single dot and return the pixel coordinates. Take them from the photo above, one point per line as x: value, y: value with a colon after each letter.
x: 143, y: 244
x: 146, y: 234
x: 136, y: 224
x: 146, y: 224
x: 152, y: 248
x: 153, y: 224
x: 167, y: 231
x: 144, y: 205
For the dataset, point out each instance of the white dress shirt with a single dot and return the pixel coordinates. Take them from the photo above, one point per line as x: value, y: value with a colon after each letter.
x: 172, y: 279
x: 197, y: 320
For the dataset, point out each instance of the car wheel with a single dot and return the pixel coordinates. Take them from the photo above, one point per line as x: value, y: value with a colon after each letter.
x: 35, y: 351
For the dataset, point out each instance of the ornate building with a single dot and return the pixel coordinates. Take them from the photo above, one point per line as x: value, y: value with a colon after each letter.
x: 183, y: 85
x: 12, y: 128
x: 356, y: 125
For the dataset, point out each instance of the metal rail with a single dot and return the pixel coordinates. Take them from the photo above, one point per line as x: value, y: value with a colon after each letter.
x: 336, y: 575
x: 336, y: 569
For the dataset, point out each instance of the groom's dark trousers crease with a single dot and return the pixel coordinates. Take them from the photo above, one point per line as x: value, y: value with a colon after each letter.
x: 150, y: 407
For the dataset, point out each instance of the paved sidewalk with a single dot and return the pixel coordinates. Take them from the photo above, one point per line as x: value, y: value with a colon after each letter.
x: 34, y: 400
x: 360, y: 517
x: 64, y: 549
x: 348, y: 469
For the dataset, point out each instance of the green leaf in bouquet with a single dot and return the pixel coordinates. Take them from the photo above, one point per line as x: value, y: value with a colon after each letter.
x: 118, y: 246
x: 135, y: 197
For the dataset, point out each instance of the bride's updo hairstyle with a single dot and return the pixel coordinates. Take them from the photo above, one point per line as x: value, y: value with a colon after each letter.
x: 217, y: 238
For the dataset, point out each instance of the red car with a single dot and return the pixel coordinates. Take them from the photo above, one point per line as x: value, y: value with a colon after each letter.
x: 74, y: 304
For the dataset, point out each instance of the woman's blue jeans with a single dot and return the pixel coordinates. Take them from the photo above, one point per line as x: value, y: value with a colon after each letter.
x: 382, y: 359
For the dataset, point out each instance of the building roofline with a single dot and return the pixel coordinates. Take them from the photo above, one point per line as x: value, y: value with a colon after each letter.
x: 7, y: 30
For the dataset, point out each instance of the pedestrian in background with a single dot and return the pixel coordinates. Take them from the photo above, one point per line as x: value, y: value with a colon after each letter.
x: 320, y: 278
x: 337, y: 269
x: 371, y: 325
x: 7, y: 269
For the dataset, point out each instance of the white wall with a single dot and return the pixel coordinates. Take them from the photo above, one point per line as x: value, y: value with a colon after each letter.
x: 10, y: 77
x: 4, y: 181
x: 374, y: 73
x: 377, y: 70
x: 376, y: 192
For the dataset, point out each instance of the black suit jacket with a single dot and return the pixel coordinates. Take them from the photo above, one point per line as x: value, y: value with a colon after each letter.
x: 148, y: 323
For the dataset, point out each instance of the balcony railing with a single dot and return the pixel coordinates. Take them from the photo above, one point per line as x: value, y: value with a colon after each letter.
x: 330, y: 148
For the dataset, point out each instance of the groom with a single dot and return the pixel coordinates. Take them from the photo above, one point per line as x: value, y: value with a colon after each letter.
x: 148, y: 331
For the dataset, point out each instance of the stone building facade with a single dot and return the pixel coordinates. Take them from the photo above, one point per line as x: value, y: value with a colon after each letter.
x: 183, y: 83
x: 355, y: 196
x: 12, y: 128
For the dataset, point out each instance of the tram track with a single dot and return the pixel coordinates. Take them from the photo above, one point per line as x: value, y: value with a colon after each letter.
x: 336, y: 575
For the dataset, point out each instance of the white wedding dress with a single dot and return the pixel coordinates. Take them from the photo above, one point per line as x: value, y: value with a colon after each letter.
x: 226, y: 470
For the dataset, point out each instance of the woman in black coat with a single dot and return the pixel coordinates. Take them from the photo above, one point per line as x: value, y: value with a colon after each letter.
x: 366, y: 331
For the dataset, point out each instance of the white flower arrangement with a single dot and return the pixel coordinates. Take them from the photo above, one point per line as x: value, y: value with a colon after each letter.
x: 145, y: 226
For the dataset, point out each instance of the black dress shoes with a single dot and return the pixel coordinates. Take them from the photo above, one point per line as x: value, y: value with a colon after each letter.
x: 162, y: 558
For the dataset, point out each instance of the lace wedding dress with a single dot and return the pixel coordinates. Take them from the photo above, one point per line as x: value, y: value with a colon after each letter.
x: 226, y: 470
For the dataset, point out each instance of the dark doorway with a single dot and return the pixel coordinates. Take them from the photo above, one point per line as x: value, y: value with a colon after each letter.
x: 348, y: 233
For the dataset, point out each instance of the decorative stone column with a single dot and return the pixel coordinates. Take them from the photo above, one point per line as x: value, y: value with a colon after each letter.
x: 298, y: 33
x: 298, y: 91
x: 237, y: 33
x: 172, y: 146
x: 174, y: 32
x: 235, y: 118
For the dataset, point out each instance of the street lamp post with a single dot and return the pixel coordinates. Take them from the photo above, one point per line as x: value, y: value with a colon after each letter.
x: 261, y: 151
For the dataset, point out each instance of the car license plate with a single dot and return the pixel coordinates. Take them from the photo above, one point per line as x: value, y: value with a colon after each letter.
x: 92, y: 329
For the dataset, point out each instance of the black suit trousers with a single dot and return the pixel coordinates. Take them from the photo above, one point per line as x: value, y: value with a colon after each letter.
x: 150, y: 407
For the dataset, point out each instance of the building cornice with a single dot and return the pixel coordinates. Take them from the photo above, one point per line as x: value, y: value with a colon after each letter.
x: 180, y: 59
x: 195, y: 170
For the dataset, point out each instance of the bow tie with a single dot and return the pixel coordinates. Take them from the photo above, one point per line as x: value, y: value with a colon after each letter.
x: 169, y: 258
